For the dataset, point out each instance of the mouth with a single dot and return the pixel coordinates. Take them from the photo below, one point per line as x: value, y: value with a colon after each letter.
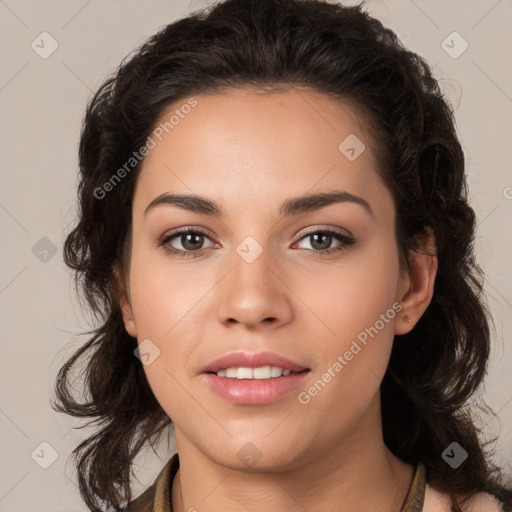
x: 261, y: 365
x: 259, y: 373
x: 255, y: 391
x: 254, y: 379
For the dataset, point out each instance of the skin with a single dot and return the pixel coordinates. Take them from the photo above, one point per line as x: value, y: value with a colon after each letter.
x: 250, y: 152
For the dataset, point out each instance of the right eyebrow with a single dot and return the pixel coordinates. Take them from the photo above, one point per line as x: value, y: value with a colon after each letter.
x: 192, y: 203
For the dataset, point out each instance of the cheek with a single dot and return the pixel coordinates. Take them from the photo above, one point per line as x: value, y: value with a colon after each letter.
x: 167, y: 307
x: 352, y: 363
x: 351, y: 296
x: 356, y: 303
x: 166, y: 310
x: 164, y: 294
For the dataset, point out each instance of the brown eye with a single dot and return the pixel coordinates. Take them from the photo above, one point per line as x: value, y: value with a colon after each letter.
x: 185, y: 242
x: 321, y: 241
x: 191, y: 241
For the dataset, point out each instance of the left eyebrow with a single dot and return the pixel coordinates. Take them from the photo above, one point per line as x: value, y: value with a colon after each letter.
x: 313, y: 202
x: 292, y: 206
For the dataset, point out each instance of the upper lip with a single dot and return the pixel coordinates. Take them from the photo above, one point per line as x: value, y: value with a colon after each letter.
x: 242, y: 359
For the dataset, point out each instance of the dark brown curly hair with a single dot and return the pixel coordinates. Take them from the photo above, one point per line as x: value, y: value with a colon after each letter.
x: 342, y: 52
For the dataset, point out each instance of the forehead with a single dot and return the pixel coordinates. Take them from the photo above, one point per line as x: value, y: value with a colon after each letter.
x: 252, y: 145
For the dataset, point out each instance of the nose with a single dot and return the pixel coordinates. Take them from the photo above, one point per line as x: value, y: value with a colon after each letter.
x: 255, y: 294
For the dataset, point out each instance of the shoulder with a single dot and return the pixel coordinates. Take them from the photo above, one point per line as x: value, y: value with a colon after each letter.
x: 484, y: 502
x: 144, y: 502
x: 436, y: 501
x: 157, y: 495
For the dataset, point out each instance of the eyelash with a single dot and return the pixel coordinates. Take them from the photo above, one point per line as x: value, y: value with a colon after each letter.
x: 346, y: 242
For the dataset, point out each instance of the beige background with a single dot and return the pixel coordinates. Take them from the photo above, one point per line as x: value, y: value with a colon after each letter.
x: 42, y: 102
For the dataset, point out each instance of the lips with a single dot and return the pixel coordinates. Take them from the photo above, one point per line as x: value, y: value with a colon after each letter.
x: 258, y: 360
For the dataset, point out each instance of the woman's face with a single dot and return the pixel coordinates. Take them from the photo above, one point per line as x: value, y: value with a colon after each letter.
x: 254, y: 278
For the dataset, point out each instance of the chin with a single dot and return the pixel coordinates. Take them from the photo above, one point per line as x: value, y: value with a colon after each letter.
x: 257, y: 456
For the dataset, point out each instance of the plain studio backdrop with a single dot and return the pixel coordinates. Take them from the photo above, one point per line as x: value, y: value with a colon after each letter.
x: 44, y: 88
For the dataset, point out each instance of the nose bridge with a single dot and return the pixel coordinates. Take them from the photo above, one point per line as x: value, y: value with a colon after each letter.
x: 251, y: 292
x: 252, y: 276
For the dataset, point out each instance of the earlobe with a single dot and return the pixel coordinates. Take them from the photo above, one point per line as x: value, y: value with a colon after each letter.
x: 125, y: 304
x: 128, y: 318
x: 422, y: 272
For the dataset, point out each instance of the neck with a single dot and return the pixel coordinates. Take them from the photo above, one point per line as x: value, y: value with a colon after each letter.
x: 358, y: 473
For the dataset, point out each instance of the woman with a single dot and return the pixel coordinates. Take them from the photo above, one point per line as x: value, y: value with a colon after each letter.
x: 275, y: 231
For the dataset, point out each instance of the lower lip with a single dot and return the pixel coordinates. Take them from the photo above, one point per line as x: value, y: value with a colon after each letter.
x: 254, y: 391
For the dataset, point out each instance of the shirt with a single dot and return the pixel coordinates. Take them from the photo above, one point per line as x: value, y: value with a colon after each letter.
x: 421, y: 497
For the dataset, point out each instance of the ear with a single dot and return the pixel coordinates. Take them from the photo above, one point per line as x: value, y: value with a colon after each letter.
x: 124, y: 302
x: 418, y: 283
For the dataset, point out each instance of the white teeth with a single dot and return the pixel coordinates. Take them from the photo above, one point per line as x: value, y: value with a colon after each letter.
x: 244, y: 373
x: 276, y: 372
x: 263, y: 372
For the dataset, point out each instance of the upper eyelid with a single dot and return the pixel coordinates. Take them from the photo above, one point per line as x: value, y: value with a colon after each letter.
x: 166, y: 238
x: 327, y: 230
